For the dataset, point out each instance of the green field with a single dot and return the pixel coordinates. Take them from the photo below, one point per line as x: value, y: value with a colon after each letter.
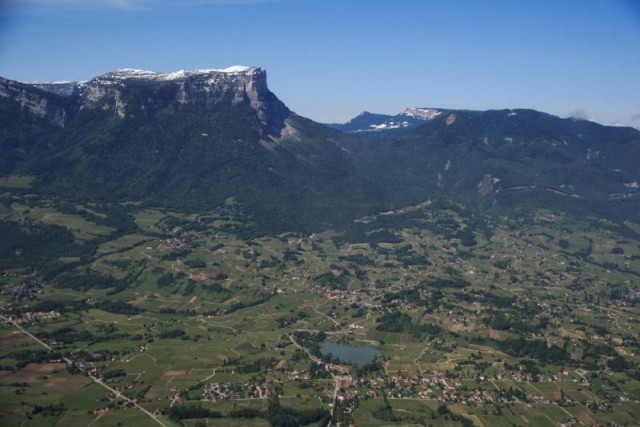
x: 531, y: 322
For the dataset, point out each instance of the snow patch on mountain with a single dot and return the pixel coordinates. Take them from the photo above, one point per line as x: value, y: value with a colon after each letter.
x: 132, y: 73
x: 382, y: 125
x: 390, y: 125
x: 422, y: 113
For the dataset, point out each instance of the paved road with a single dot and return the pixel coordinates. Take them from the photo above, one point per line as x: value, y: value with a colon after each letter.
x: 335, y: 379
x: 94, y: 379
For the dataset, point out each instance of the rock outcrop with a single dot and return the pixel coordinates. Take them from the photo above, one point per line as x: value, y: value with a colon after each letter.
x: 132, y: 92
x: 36, y: 101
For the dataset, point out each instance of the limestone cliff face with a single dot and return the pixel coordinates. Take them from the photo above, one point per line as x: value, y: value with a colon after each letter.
x: 202, y: 87
x: 36, y: 101
x: 247, y: 86
x: 130, y: 92
x: 105, y: 95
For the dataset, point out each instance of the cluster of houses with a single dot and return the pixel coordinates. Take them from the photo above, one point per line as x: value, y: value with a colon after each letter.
x: 19, y: 293
x: 439, y: 387
x: 350, y: 295
x: 174, y: 244
x: 229, y: 391
x: 33, y: 316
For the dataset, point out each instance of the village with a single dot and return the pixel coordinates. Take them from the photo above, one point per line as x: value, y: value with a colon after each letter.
x: 216, y: 391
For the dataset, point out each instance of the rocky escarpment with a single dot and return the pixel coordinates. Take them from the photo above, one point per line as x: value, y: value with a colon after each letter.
x: 131, y: 92
x: 43, y: 104
x: 239, y: 84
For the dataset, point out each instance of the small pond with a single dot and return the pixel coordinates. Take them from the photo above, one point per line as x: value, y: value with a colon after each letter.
x: 349, y: 353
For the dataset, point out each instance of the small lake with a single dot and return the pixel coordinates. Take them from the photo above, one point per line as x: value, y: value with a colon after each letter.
x: 349, y: 353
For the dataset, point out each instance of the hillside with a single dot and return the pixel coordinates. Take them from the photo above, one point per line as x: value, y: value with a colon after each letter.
x: 196, y: 140
x: 189, y: 140
x: 514, y: 157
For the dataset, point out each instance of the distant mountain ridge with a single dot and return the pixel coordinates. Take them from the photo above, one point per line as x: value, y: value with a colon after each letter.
x: 383, y: 125
x: 60, y: 88
x: 197, y: 139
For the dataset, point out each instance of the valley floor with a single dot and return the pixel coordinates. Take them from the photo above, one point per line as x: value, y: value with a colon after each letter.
x: 179, y: 318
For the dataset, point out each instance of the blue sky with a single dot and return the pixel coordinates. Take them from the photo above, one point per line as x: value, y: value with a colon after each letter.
x: 332, y: 59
